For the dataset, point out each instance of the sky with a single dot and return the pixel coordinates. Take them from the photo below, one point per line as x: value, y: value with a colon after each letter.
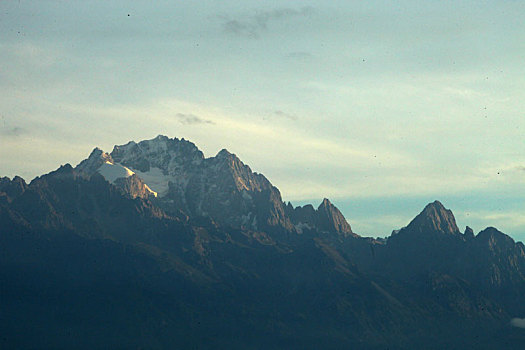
x: 381, y: 106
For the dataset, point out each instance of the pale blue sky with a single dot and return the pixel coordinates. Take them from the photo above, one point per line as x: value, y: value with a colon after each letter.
x: 381, y: 106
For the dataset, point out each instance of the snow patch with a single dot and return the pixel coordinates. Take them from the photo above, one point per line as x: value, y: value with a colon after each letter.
x: 156, y: 180
x: 151, y: 191
x: 112, y: 172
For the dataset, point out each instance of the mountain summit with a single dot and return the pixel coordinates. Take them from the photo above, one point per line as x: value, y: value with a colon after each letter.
x: 331, y: 219
x: 434, y: 218
x: 221, y: 188
x: 156, y: 246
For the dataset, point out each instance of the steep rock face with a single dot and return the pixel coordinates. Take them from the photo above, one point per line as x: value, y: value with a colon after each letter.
x: 498, y: 257
x: 188, y: 281
x: 172, y: 156
x: 235, y: 172
x: 227, y: 190
x: 429, y: 243
x: 435, y: 218
x: 100, y: 162
x: 331, y: 219
x: 304, y: 217
x: 68, y: 199
x: 326, y: 218
x: 164, y: 164
x: 95, y: 160
x: 497, y: 242
x: 10, y: 189
x: 221, y: 188
x: 271, y: 210
x: 71, y: 234
x: 134, y: 186
x: 469, y: 233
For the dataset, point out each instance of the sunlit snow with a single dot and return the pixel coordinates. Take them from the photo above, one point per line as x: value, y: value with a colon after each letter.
x: 112, y: 172
x: 156, y: 180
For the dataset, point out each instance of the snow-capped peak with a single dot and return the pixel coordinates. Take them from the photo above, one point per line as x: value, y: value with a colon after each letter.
x: 101, y: 162
x: 95, y: 161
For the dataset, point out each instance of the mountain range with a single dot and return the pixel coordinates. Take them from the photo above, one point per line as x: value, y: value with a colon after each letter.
x: 155, y: 246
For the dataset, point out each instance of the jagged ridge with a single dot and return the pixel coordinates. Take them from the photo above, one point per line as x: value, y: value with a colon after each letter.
x: 76, y: 237
x: 222, y: 188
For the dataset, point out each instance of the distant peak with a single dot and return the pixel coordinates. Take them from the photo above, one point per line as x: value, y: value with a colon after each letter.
x: 495, y: 239
x: 491, y: 232
x: 18, y: 179
x: 161, y: 138
x: 325, y: 203
x: 96, y: 152
x: 331, y: 219
x: 94, y: 161
x: 12, y: 188
x: 230, y: 158
x: 66, y: 167
x: 224, y: 153
x: 435, y: 205
x: 435, y: 218
x: 19, y: 182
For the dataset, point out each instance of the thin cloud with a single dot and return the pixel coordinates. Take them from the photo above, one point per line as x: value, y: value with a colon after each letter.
x: 285, y: 115
x: 252, y: 26
x: 236, y: 27
x: 518, y: 322
x: 190, y: 119
x: 278, y: 114
x: 11, y: 131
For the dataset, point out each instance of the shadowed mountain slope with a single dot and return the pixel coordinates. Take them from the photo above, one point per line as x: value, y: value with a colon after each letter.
x: 156, y: 246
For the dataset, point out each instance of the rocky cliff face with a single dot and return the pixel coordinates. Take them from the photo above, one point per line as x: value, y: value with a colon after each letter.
x: 221, y: 188
x: 496, y: 262
x: 100, y: 162
x: 10, y: 189
x: 91, y: 249
x: 326, y: 218
x: 435, y: 218
x: 331, y: 219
